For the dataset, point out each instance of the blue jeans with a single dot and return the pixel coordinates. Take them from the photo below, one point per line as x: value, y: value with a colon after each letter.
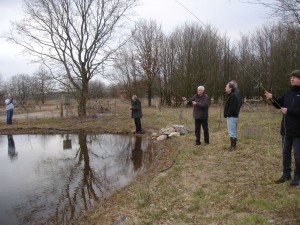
x: 232, y: 126
x: 9, y: 114
x: 287, y: 144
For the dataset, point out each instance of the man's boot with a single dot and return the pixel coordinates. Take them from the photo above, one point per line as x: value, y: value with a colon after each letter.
x: 234, y: 140
x: 231, y: 144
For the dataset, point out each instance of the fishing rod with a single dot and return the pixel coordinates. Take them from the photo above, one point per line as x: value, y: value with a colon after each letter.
x: 235, y: 57
x: 228, y: 49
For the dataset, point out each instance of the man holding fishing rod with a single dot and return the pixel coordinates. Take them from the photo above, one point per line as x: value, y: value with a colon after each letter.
x: 289, y: 104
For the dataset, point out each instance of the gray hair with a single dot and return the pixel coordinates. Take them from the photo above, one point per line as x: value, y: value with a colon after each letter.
x: 201, y: 88
x: 234, y: 83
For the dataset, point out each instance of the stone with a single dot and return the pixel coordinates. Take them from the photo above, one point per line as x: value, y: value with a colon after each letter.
x: 167, y: 130
x: 182, y: 129
x: 162, y: 137
x: 174, y: 134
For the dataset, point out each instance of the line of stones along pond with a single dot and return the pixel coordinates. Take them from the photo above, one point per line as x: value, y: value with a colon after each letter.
x: 55, y: 179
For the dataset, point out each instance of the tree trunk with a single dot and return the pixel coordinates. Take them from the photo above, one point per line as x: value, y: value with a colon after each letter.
x: 83, y: 99
x: 149, y: 95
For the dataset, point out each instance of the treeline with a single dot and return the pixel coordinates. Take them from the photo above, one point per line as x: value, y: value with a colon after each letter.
x: 154, y: 64
x: 173, y: 65
x: 40, y: 86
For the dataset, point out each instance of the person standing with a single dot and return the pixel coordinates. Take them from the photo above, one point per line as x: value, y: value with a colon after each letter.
x: 200, y: 103
x: 289, y: 104
x: 136, y: 114
x: 238, y: 94
x: 231, y: 113
x: 10, y: 105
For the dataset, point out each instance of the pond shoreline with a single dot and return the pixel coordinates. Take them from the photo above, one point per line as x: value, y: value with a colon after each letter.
x: 167, y: 150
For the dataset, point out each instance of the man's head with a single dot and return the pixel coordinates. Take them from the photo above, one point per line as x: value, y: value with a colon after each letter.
x: 134, y: 97
x: 230, y: 87
x: 200, y: 90
x: 295, y: 78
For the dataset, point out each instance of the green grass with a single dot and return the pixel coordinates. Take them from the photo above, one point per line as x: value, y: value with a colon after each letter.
x: 199, y: 184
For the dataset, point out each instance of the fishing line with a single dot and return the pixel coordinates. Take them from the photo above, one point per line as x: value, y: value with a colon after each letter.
x: 235, y: 57
x: 228, y: 49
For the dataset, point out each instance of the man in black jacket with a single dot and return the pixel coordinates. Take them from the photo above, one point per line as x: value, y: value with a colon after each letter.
x: 231, y: 113
x: 136, y: 114
x: 289, y: 104
x: 200, y: 103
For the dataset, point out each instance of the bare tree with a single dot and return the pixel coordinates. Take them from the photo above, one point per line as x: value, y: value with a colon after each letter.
x: 42, y: 82
x: 19, y: 86
x: 193, y: 55
x: 125, y: 70
x: 147, y: 41
x: 287, y: 10
x: 73, y: 38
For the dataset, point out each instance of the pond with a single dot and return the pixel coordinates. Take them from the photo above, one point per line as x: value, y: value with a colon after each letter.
x: 54, y: 179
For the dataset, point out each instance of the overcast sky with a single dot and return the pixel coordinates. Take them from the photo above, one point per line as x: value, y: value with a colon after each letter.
x: 230, y: 17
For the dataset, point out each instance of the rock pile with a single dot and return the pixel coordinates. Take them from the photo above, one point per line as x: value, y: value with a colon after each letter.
x: 171, y: 131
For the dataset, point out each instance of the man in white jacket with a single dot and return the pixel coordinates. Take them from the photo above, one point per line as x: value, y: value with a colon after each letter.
x: 10, y: 105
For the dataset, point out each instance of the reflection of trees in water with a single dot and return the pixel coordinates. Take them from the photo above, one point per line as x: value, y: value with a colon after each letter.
x: 87, y: 178
x: 82, y: 188
x: 80, y: 195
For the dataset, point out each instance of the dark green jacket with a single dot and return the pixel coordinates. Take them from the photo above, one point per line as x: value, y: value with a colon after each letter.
x: 136, y: 109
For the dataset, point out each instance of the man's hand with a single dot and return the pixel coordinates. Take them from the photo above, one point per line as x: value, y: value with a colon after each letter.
x: 268, y: 95
x: 284, y: 110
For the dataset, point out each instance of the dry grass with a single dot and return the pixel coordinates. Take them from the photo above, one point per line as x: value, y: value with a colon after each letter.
x: 194, y: 184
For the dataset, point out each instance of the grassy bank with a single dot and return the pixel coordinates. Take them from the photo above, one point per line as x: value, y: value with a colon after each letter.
x: 194, y: 184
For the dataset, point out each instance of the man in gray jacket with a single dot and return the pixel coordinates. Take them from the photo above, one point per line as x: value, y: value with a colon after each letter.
x: 200, y: 103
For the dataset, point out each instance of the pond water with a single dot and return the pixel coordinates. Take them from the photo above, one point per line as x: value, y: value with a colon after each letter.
x: 54, y: 179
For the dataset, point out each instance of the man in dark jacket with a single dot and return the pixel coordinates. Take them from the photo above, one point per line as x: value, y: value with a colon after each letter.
x: 200, y: 103
x: 289, y: 104
x: 238, y: 94
x: 136, y: 114
x: 231, y: 113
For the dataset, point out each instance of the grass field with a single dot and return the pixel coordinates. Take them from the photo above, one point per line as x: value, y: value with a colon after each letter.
x: 192, y: 184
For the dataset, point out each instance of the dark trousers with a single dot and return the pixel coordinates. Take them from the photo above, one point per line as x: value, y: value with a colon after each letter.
x: 204, y: 124
x: 138, y: 125
x: 287, y: 144
x: 9, y: 114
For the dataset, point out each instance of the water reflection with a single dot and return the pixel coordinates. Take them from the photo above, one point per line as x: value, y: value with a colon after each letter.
x: 52, y: 184
x: 67, y: 143
x: 11, y: 149
x: 137, y: 154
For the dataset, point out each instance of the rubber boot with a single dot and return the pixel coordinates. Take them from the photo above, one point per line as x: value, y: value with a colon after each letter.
x: 232, y: 144
x: 230, y: 147
x: 234, y: 140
